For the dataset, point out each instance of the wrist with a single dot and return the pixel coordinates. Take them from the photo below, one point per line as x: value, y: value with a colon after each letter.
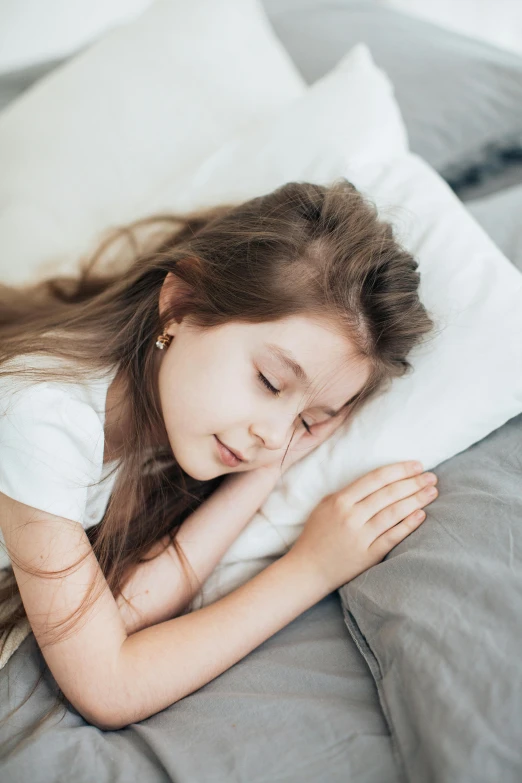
x: 310, y: 572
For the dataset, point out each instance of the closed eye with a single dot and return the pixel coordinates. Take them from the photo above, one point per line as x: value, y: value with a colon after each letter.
x: 268, y: 385
x: 276, y: 393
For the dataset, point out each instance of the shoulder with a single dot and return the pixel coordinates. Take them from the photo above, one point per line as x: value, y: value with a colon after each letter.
x: 51, y: 443
x: 53, y: 398
x: 51, y: 405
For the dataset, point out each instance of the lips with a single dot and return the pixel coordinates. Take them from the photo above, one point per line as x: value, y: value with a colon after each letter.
x: 234, y: 452
x: 227, y: 456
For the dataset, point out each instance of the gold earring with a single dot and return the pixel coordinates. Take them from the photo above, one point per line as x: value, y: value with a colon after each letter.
x: 163, y: 340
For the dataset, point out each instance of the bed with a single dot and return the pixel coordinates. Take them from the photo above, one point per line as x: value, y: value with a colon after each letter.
x: 314, y: 702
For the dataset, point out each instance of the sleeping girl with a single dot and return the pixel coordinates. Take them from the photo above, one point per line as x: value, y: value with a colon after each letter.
x: 147, y: 412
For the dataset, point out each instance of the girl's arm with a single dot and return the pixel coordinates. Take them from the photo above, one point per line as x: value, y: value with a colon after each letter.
x: 158, y: 590
x: 114, y: 679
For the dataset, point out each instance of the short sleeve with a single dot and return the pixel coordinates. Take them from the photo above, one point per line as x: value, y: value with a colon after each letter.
x: 51, y: 449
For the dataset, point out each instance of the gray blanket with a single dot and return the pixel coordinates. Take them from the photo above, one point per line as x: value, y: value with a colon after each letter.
x: 301, y: 708
x: 440, y: 623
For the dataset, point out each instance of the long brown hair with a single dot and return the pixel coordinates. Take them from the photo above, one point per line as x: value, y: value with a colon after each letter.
x: 303, y: 249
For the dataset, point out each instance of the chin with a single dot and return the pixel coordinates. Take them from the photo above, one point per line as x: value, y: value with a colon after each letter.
x: 200, y: 473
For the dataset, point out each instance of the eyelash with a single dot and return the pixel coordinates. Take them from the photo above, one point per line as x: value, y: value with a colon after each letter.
x: 276, y: 393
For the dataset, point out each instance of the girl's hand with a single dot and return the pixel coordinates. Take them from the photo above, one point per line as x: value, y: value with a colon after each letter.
x: 355, y: 528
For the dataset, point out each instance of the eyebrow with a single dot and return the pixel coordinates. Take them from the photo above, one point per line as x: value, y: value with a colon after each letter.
x: 288, y: 359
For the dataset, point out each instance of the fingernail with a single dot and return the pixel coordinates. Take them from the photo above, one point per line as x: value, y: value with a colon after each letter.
x: 430, y: 478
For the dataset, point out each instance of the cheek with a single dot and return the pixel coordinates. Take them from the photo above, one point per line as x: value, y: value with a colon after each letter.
x: 199, y: 397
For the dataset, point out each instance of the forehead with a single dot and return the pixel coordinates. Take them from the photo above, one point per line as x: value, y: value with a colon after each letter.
x: 315, y: 343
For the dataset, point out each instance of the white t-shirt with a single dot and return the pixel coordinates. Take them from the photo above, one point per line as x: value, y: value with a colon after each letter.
x: 51, y: 446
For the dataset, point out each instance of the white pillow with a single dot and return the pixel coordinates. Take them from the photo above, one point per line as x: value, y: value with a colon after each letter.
x: 466, y: 381
x: 147, y: 101
x: 350, y: 114
x: 33, y: 32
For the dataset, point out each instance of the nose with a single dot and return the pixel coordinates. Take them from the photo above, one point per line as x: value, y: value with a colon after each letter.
x: 275, y: 432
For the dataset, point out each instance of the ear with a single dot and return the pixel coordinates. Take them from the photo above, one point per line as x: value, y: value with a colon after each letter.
x: 172, y: 288
x: 165, y: 292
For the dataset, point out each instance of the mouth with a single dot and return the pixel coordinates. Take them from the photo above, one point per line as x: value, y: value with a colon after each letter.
x: 227, y: 456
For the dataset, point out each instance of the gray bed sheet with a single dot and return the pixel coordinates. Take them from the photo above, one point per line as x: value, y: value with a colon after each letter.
x: 301, y: 708
x: 440, y: 622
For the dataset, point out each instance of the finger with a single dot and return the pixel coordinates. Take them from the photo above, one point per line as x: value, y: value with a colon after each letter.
x: 385, y: 542
x: 379, y: 478
x: 381, y: 499
x: 391, y: 515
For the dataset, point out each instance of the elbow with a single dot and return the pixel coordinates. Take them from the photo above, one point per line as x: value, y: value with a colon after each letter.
x: 104, y: 718
x: 102, y: 708
x: 108, y: 723
x: 113, y: 709
x: 114, y: 701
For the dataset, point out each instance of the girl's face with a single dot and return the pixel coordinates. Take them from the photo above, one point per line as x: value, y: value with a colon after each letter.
x: 210, y: 389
